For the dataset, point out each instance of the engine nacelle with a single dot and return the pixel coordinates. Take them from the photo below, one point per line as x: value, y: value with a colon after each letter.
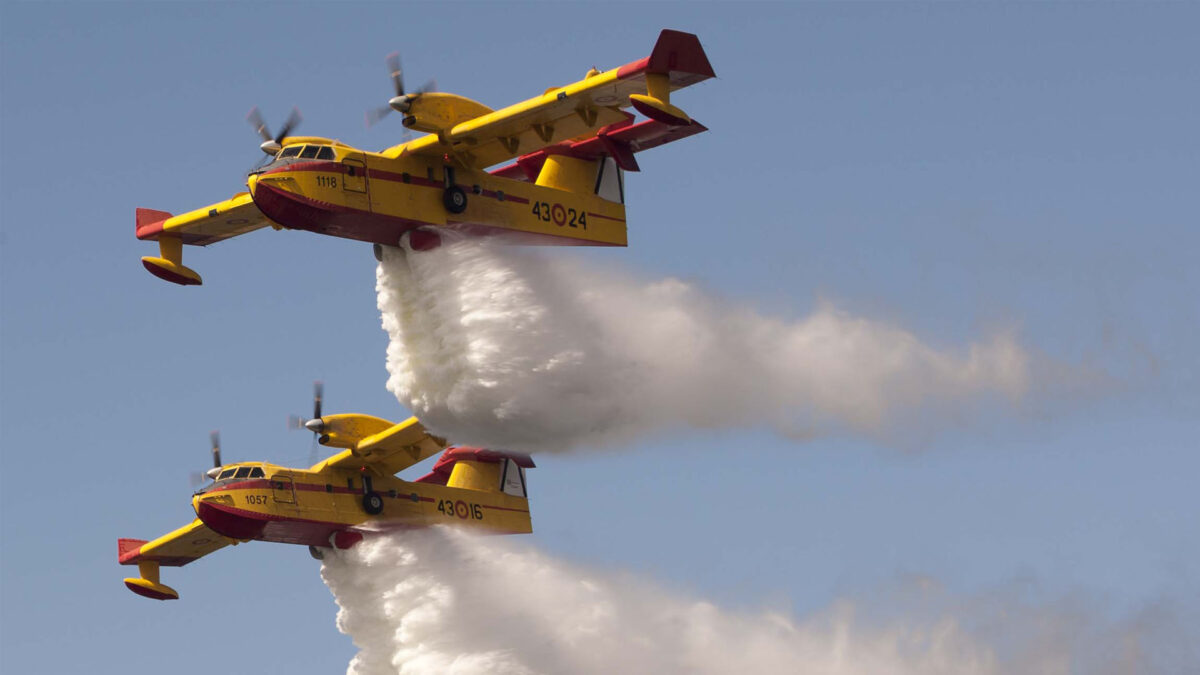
x: 435, y: 111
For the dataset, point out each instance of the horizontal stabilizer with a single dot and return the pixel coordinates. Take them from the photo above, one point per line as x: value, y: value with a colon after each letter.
x: 619, y: 141
x: 445, y: 464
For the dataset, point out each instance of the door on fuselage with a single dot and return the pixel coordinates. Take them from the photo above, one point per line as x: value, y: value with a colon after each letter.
x: 354, y: 183
x: 283, y: 490
x: 355, y: 178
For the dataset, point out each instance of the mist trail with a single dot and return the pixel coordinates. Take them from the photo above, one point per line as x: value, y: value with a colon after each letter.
x: 444, y: 601
x: 509, y: 347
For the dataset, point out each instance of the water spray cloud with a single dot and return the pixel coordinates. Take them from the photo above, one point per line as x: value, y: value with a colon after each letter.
x: 443, y: 601
x: 507, y: 347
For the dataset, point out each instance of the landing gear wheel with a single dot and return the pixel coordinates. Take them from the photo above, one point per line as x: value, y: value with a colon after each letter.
x: 372, y: 503
x: 454, y: 199
x: 316, y: 553
x: 378, y: 251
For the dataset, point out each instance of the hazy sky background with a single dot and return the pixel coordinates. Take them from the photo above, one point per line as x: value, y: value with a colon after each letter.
x: 954, y: 170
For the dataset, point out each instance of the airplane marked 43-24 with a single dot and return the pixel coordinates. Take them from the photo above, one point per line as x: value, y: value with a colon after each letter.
x: 335, y: 502
x: 548, y: 170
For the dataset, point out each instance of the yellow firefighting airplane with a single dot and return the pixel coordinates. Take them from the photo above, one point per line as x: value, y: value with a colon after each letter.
x: 333, y: 503
x: 564, y: 185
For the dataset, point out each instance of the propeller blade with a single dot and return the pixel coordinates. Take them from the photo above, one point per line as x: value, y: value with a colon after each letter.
x: 292, y: 122
x: 429, y: 86
x: 215, y: 439
x: 393, y: 63
x: 318, y: 394
x: 260, y: 164
x: 255, y: 118
x: 374, y: 116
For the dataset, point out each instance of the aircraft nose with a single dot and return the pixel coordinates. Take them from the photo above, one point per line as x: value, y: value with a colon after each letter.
x: 223, y: 518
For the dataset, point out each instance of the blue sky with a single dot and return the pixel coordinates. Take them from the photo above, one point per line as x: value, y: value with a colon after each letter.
x: 951, y: 169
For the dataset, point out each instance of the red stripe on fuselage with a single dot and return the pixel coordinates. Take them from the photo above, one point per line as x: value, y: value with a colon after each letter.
x: 302, y: 213
x: 604, y: 217
x: 504, y: 508
x: 419, y: 181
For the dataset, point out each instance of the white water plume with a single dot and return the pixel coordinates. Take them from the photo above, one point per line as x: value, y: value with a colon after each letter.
x: 443, y: 601
x: 514, y: 348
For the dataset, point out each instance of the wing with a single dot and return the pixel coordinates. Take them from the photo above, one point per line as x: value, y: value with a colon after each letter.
x: 579, y: 109
x: 208, y: 225
x: 176, y: 549
x: 234, y: 216
x: 371, y: 441
x: 619, y: 141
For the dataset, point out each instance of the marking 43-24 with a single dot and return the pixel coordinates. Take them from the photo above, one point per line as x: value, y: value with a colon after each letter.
x: 559, y: 215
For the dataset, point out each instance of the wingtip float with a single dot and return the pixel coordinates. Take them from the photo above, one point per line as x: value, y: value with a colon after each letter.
x: 334, y: 502
x: 546, y: 171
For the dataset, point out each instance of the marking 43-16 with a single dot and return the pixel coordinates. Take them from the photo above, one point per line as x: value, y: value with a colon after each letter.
x: 460, y: 509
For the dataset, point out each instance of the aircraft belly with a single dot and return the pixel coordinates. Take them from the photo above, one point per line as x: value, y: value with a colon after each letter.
x: 299, y: 212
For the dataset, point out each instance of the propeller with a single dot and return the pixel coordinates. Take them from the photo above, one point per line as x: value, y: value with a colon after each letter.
x: 314, y: 423
x: 214, y: 439
x: 402, y: 101
x: 271, y: 144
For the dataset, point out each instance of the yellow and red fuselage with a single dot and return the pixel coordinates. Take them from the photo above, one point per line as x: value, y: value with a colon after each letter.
x: 326, y: 508
x: 370, y: 197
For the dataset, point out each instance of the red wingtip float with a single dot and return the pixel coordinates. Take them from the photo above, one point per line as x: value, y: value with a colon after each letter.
x: 548, y: 170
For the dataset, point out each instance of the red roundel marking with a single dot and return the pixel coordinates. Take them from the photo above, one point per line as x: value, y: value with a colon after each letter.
x: 461, y: 510
x: 559, y: 214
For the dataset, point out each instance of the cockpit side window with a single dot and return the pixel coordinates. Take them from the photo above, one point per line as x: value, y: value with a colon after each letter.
x: 309, y: 151
x: 242, y: 472
x: 325, y: 152
x: 256, y: 473
x: 227, y: 473
x: 290, y: 151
